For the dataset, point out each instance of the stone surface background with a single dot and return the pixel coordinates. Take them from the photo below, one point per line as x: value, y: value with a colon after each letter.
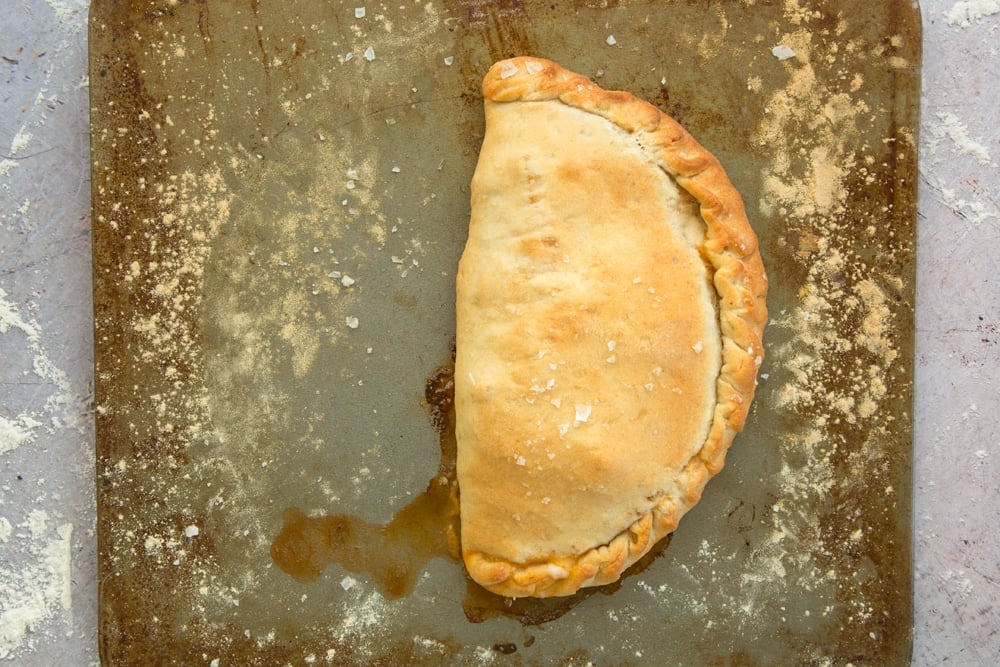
x: 47, y: 538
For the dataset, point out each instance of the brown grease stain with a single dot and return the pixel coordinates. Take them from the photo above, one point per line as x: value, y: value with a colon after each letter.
x: 393, y: 554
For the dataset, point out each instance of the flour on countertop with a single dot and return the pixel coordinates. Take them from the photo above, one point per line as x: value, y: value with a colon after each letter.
x: 55, y: 405
x: 965, y: 12
x: 950, y: 126
x: 35, y: 584
x: 46, y: 499
x: 947, y: 128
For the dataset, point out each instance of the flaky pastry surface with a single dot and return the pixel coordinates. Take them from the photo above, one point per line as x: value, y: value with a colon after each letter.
x: 610, y: 307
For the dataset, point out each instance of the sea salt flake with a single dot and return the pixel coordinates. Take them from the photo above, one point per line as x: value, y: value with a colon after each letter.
x: 369, y: 54
x: 359, y: 12
x: 611, y: 40
x: 449, y: 60
x: 582, y: 413
x: 191, y: 531
x: 347, y: 281
x: 351, y: 321
x: 507, y: 70
x: 782, y: 52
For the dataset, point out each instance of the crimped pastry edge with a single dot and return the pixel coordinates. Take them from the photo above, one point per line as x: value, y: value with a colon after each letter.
x: 740, y: 282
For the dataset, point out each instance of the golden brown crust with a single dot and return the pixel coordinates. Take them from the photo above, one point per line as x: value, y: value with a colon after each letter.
x: 730, y: 250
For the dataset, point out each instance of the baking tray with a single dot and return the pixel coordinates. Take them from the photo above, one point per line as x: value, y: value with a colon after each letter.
x: 280, y: 198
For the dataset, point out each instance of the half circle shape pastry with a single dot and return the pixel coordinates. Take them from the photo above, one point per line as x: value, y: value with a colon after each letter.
x: 610, y: 308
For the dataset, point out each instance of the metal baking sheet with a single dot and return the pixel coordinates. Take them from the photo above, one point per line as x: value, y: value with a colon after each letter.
x: 280, y: 195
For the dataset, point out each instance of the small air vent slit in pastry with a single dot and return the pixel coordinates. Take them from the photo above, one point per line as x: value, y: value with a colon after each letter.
x: 609, y: 314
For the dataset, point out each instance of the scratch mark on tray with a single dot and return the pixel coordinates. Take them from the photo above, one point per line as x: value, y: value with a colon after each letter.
x: 259, y: 32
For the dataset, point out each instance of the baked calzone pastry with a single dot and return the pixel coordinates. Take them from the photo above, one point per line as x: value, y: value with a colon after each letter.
x: 610, y: 305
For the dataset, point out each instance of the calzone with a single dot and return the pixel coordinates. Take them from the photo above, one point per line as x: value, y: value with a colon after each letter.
x: 610, y: 306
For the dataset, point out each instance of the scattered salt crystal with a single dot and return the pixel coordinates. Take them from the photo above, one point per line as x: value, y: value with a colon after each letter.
x: 782, y: 52
x: 351, y: 321
x: 697, y: 347
x: 347, y: 583
x: 395, y: 169
x: 449, y: 60
x: 611, y: 40
x: 359, y: 12
x: 334, y: 274
x: 347, y: 281
x: 352, y: 173
x: 191, y: 531
x: 349, y: 56
x: 369, y: 54
x: 612, y: 359
x: 507, y: 70
x: 350, y: 185
x: 546, y: 500
x: 520, y: 461
x: 582, y: 414
x: 611, y: 345
x: 396, y: 260
x: 533, y: 67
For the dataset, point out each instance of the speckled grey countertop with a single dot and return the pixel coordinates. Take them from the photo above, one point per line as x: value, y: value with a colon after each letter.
x: 47, y: 539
